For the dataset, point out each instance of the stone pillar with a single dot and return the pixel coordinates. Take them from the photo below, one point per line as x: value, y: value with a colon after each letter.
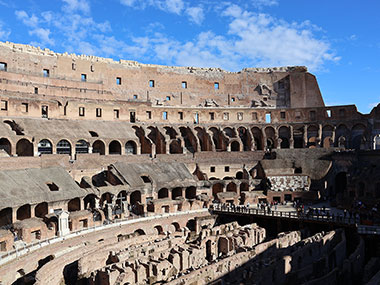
x: 320, y: 130
x: 63, y: 223
x: 109, y: 211
x: 305, y: 139
x: 291, y: 140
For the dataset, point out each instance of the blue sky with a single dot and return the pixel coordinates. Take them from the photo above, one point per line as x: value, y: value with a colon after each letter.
x: 339, y: 41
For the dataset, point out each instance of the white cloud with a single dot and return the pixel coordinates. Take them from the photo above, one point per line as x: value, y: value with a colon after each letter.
x: 129, y: 3
x: 4, y: 32
x: 174, y: 6
x: 195, y: 14
x: 261, y: 3
x: 76, y: 6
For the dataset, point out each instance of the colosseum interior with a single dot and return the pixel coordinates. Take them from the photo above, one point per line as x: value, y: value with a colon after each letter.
x: 116, y: 172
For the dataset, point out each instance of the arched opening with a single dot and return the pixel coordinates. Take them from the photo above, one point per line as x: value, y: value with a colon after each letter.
x: 176, y: 192
x: 298, y: 170
x: 340, y: 182
x: 23, y: 212
x: 121, y: 197
x: 204, y: 139
x: 191, y: 225
x: 6, y: 146
x: 158, y: 139
x: 73, y: 205
x: 175, y: 147
x: 312, y: 136
x: 146, y: 145
x: 45, y: 147
x: 220, y: 141
x: 106, y: 198
x: 130, y: 147
x: 81, y: 146
x: 258, y: 138
x: 270, y: 133
x: 327, y: 134
x: 229, y: 132
x: 244, y: 187
x: 63, y: 147
x: 189, y: 139
x: 114, y: 148
x: 284, y: 134
x: 239, y: 175
x: 231, y: 187
x: 24, y: 148
x: 99, y: 147
x: 158, y: 230
x: 191, y: 192
x: 376, y: 143
x: 217, y: 188
x: 235, y: 146
x: 357, y: 135
x: 176, y: 226
x: 139, y: 232
x: 245, y: 138
x: 5, y: 217
x: 89, y: 201
x: 163, y: 193
x: 135, y: 197
x: 341, y: 136
x: 298, y: 136
x: 41, y: 210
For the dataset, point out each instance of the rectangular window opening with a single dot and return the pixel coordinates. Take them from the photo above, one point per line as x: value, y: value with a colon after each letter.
x: 232, y: 99
x: 148, y: 115
x: 46, y: 72
x: 240, y: 116
x: 132, y: 117
x: 98, y: 112
x: 216, y: 85
x: 25, y: 107
x: 3, y: 66
x: 312, y: 116
x: 81, y: 111
x: 226, y: 116
x: 226, y: 169
x: 116, y: 114
x: 180, y: 114
x: 212, y: 169
x: 167, y: 98
x: 165, y: 115
x: 298, y: 115
x: 44, y: 111
x: 184, y: 84
x: 283, y: 115
x: 118, y: 80
x: 83, y: 77
x: 268, y: 118
x: 135, y: 97
x: 212, y: 116
x: 35, y: 90
x: 151, y: 83
x: 4, y: 105
x: 328, y: 112
x: 254, y: 116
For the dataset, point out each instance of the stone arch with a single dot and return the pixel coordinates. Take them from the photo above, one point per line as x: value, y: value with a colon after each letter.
x: 114, y: 147
x: 298, y: 137
x: 312, y: 136
x: 341, y: 136
x: 204, y: 139
x: 158, y: 230
x: 45, y: 147
x: 64, y: 147
x: 177, y: 192
x: 130, y: 147
x: 270, y: 134
x: 81, y: 146
x: 73, y: 205
x: 258, y: 138
x: 231, y: 187
x: 244, y: 187
x: 376, y: 142
x: 121, y: 197
x: 105, y: 198
x: 284, y: 134
x: 24, y: 148
x: 217, y: 188
x: 139, y: 232
x: 230, y: 132
x: 135, y: 197
x: 327, y: 135
x: 170, y: 132
x: 220, y: 141
x: 191, y: 225
x: 23, y: 212
x: 146, y: 145
x: 189, y: 139
x: 191, y: 192
x: 163, y: 193
x: 6, y: 145
x: 235, y: 146
x: 357, y: 135
x: 99, y: 147
x: 158, y: 139
x: 6, y: 216
x: 245, y: 138
x: 41, y: 210
x: 90, y: 201
x: 175, y: 147
x: 176, y: 226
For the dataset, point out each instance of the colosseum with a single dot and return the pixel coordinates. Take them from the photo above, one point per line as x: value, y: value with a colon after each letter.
x: 117, y: 172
